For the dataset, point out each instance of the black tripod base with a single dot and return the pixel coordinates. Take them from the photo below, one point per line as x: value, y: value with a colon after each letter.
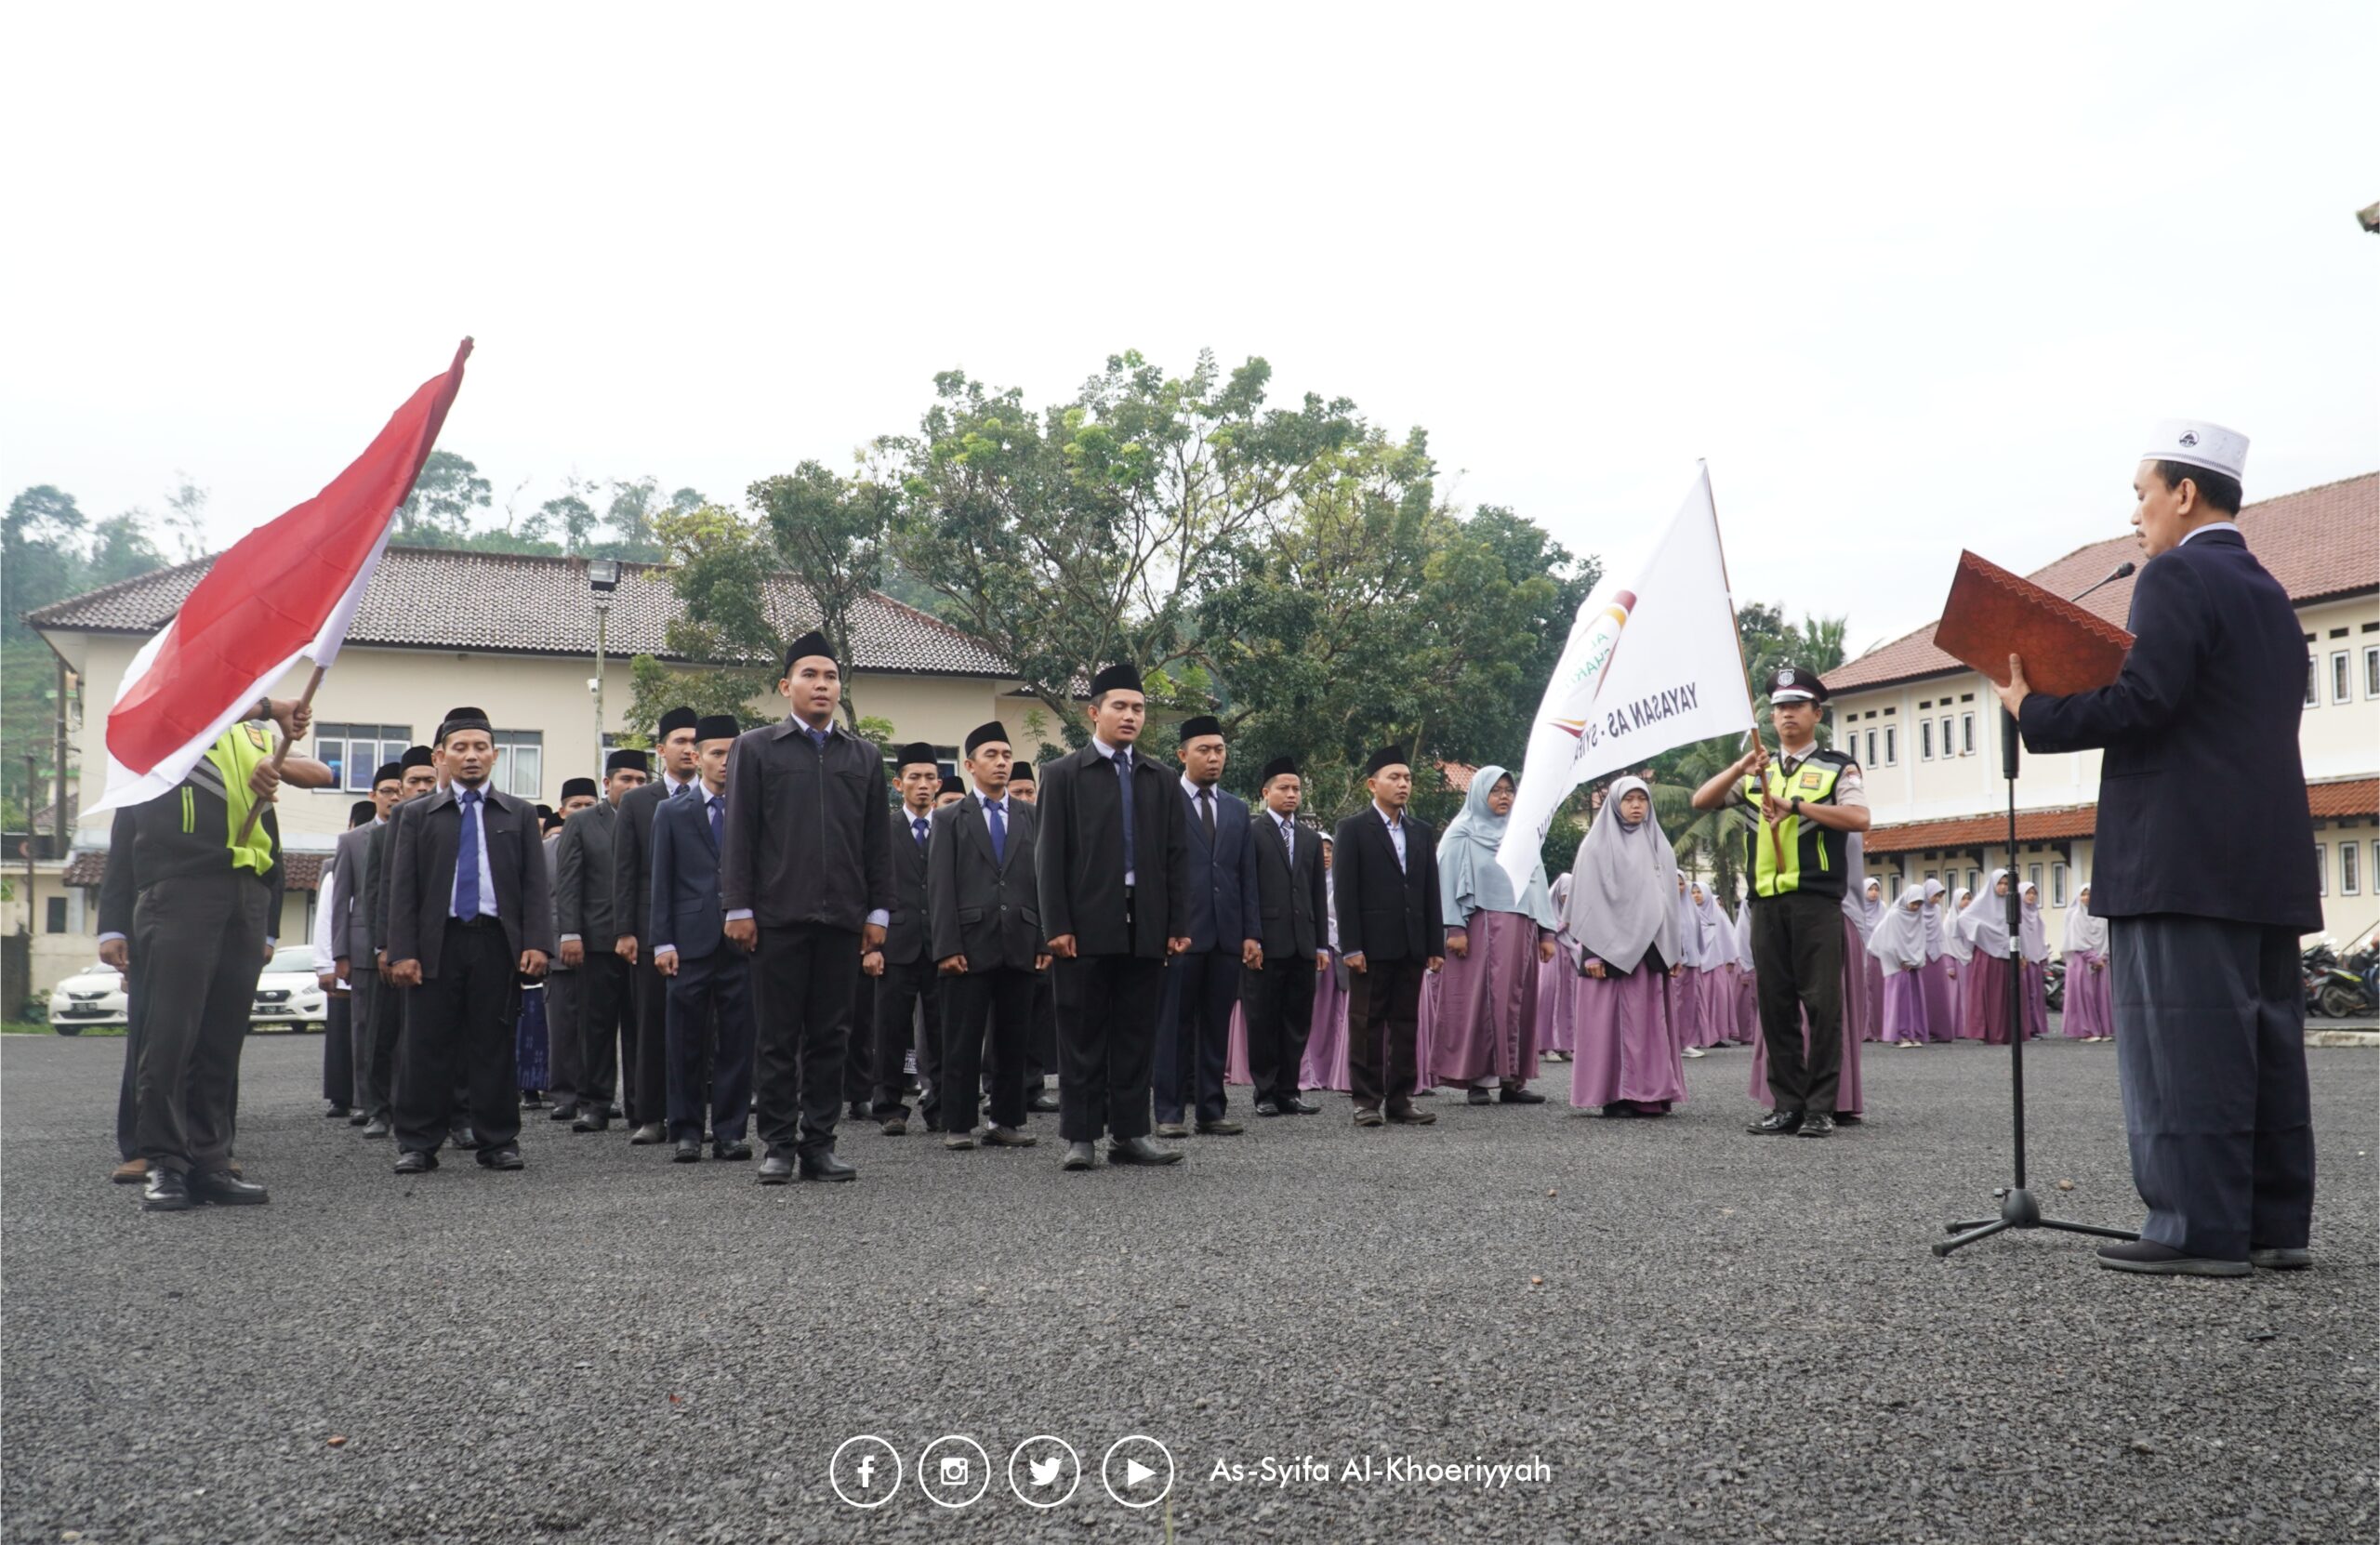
x: 2018, y: 1211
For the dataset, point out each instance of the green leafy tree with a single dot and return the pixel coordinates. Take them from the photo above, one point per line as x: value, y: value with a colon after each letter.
x: 445, y: 502
x: 829, y: 533
x: 122, y: 548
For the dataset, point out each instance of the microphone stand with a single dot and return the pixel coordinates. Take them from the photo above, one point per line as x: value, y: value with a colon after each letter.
x: 2017, y: 1207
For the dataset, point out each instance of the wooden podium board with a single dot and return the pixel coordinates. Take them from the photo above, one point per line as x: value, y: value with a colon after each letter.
x: 1992, y: 613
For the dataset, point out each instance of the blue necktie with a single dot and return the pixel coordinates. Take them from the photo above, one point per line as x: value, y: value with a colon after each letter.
x: 1000, y: 831
x: 818, y: 738
x: 1123, y: 760
x: 918, y: 825
x: 466, y: 857
x: 717, y: 815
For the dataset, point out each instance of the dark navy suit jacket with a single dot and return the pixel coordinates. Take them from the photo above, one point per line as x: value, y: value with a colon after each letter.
x: 686, y: 909
x: 2202, y: 792
x: 1223, y: 908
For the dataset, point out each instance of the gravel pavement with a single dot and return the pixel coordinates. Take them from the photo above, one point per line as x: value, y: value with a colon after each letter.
x: 1703, y: 1335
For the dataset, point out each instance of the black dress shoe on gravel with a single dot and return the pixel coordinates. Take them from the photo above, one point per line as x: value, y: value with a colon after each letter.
x: 1776, y: 1124
x: 1519, y: 1097
x: 1817, y: 1124
x: 337, y: 1113
x: 377, y: 1127
x: 1408, y: 1117
x: 1299, y: 1106
x: 775, y: 1169
x: 2141, y: 1255
x: 1043, y: 1103
x: 689, y: 1150
x: 1140, y: 1150
x: 415, y: 1161
x: 1366, y: 1117
x: 1477, y: 1097
x: 859, y: 1110
x: 1080, y: 1155
x: 221, y: 1188
x: 1007, y: 1137
x: 166, y: 1192
x: 648, y: 1134
x: 737, y: 1151
x: 1220, y: 1128
x: 563, y: 1113
x: 591, y: 1120
x: 506, y: 1158
x: 824, y: 1165
x: 2282, y: 1259
x: 464, y: 1139
x: 1844, y: 1118
x: 1173, y: 1128
x: 895, y: 1126
x: 1267, y: 1107
x: 357, y: 1118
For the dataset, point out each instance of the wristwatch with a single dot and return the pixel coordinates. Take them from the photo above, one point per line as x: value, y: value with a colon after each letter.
x: 1797, y: 805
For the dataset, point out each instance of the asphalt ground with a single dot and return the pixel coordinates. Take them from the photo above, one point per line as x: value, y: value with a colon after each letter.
x: 1703, y: 1335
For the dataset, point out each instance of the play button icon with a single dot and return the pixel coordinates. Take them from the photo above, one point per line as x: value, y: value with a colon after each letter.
x: 1137, y: 1470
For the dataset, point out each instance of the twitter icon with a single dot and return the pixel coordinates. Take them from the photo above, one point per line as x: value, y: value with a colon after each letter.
x: 1044, y: 1470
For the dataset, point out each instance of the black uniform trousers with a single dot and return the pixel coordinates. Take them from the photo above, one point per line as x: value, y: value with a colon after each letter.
x: 461, y: 1029
x: 1384, y: 1019
x: 198, y: 941
x: 710, y: 1046
x: 1041, y: 1041
x: 987, y: 1016
x: 1193, y: 1033
x: 1107, y: 1007
x: 901, y: 993
x: 372, y: 1011
x: 562, y: 1011
x: 338, y: 1051
x: 128, y: 1091
x: 602, y: 1031
x: 1278, y: 1004
x: 804, y: 979
x: 1797, y: 955
x: 2210, y: 1051
x: 646, y: 1047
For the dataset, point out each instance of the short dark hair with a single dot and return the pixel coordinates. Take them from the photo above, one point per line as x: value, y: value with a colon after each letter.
x: 2220, y: 490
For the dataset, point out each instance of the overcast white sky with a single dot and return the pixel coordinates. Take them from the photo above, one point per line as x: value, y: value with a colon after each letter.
x: 1909, y: 278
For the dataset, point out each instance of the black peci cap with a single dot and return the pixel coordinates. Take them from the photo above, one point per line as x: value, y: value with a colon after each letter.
x: 1199, y: 725
x: 677, y: 718
x: 1116, y: 677
x: 984, y: 733
x: 802, y: 648
x: 916, y: 754
x: 716, y: 727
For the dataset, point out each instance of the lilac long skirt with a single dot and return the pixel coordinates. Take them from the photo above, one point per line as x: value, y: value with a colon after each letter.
x: 1236, y: 1049
x: 1325, y: 1041
x: 1941, y: 998
x: 1850, y: 1097
x: 1983, y: 1006
x: 1906, y: 1014
x: 1747, y: 1007
x: 1714, y: 1004
x: 1557, y: 1003
x: 2036, y: 998
x: 1875, y: 994
x: 1426, y: 1038
x: 1859, y: 1019
x: 1626, y: 1049
x: 1485, y: 1028
x: 2090, y: 1008
x: 1685, y: 1007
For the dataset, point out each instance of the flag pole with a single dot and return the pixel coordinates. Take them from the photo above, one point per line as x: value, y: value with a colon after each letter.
x: 256, y: 811
x: 1776, y: 838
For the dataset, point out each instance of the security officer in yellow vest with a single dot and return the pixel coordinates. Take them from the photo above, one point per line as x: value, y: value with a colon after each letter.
x: 1806, y: 801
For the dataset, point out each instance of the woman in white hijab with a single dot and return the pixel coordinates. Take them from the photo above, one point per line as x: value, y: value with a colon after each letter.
x: 1497, y: 936
x: 1983, y: 924
x: 1712, y: 974
x: 1956, y: 953
x: 1937, y: 980
x: 1622, y: 911
x: 2034, y: 946
x: 2090, y: 1013
x: 1898, y: 945
x: 1325, y: 1041
x: 1557, y: 985
x: 1685, y: 1009
x: 1747, y: 1017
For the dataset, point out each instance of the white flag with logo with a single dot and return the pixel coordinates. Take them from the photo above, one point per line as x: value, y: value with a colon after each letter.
x: 1652, y: 664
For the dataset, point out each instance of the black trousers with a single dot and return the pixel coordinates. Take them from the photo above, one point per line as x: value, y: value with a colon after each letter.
x: 1193, y: 1033
x: 1041, y: 1041
x: 1797, y: 954
x: 127, y: 1093
x: 1277, y: 1003
x: 373, y: 1010
x: 461, y: 1028
x: 338, y: 1051
x: 2211, y: 1050
x: 604, y: 1031
x: 804, y: 979
x: 1108, y: 1009
x: 199, y: 942
x: 1383, y: 1018
x: 901, y: 993
x: 562, y: 1011
x: 987, y: 1016
x: 710, y: 1045
x: 646, y: 1044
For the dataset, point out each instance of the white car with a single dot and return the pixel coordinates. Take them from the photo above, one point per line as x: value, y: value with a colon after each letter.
x: 288, y: 993
x: 92, y: 996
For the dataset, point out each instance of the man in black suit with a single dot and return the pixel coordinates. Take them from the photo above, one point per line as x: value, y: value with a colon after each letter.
x: 1202, y: 985
x: 417, y: 775
x: 648, y: 1069
x: 1385, y: 876
x: 807, y: 883
x: 588, y: 926
x: 902, y: 973
x: 470, y: 911
x: 1293, y: 911
x: 1041, y: 1041
x: 710, y: 982
x: 2205, y: 872
x: 344, y: 926
x: 1112, y: 863
x: 563, y: 1074
x: 987, y: 910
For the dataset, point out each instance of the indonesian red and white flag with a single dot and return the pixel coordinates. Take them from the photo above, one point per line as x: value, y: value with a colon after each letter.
x: 284, y: 592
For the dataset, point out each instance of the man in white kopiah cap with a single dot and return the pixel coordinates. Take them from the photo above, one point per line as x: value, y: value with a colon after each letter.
x: 2205, y: 873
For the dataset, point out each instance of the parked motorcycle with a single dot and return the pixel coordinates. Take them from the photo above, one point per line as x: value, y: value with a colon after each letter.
x: 2337, y: 989
x: 2055, y: 983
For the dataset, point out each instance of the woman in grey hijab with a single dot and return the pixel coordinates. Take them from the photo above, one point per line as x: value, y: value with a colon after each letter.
x: 1484, y: 1037
x: 1557, y: 985
x: 1624, y: 912
x: 2034, y: 946
x: 2090, y: 1013
x: 1983, y: 926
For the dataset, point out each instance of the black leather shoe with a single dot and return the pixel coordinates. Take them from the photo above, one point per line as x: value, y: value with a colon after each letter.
x: 957, y: 1140
x: 895, y: 1126
x: 1844, y: 1118
x: 506, y: 1158
x: 221, y: 1188
x: 166, y: 1192
x: 1520, y: 1097
x: 859, y: 1110
x: 1267, y: 1107
x: 1140, y: 1150
x: 648, y: 1134
x: 414, y: 1161
x: 1478, y: 1096
x: 689, y: 1150
x: 377, y: 1127
x: 1173, y: 1128
x: 337, y: 1113
x: 1220, y: 1128
x: 1776, y: 1124
x: 1366, y: 1117
x: 1007, y: 1137
x: 1409, y: 1116
x: 1080, y: 1155
x: 357, y: 1118
x: 1042, y: 1103
x: 564, y: 1112
x: 824, y: 1166
x: 464, y: 1139
x: 2141, y: 1255
x: 1817, y: 1124
x: 591, y: 1120
x: 1300, y: 1105
x: 737, y: 1150
x: 775, y: 1169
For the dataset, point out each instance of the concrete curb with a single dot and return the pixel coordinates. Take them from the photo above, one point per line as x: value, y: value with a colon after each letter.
x: 2343, y: 1037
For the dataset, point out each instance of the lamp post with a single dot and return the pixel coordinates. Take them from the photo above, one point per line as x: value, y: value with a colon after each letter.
x: 602, y: 578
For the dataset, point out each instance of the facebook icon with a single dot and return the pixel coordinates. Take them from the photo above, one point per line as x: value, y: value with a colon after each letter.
x: 864, y: 1471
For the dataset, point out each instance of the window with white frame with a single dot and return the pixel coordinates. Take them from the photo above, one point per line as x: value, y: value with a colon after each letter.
x: 2372, y: 671
x: 1946, y: 738
x: 2322, y: 868
x: 2033, y: 873
x: 1974, y: 879
x: 2339, y: 676
x: 2058, y: 885
x: 1892, y: 754
x: 2350, y: 860
x: 519, y: 762
x: 1925, y: 740
x: 354, y: 752
x: 1871, y: 747
x: 2313, y: 679
x: 1967, y: 735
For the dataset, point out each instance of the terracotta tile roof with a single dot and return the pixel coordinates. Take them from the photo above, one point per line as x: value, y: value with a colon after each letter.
x: 429, y: 597
x: 90, y: 866
x: 2329, y: 801
x: 2320, y: 543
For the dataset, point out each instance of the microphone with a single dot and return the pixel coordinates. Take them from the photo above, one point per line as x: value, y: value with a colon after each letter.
x: 2122, y: 571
